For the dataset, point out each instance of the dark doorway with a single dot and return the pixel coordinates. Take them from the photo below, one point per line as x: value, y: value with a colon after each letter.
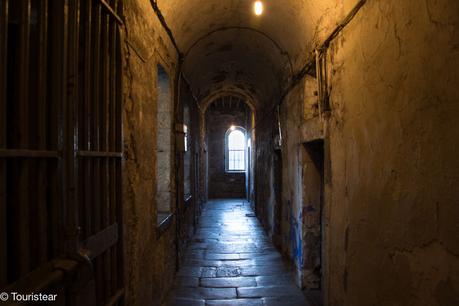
x: 313, y: 203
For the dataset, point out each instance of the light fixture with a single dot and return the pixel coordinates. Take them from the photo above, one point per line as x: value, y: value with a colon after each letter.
x: 258, y: 8
x: 232, y: 128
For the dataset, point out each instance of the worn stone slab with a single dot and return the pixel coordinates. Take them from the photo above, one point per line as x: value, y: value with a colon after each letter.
x: 274, y: 280
x: 261, y: 271
x: 218, y: 293
x: 285, y: 301
x: 205, y: 293
x: 202, y: 263
x: 266, y: 254
x: 228, y: 271
x: 268, y: 291
x: 220, y: 256
x: 209, y: 272
x: 228, y: 282
x: 238, y: 302
x: 237, y: 263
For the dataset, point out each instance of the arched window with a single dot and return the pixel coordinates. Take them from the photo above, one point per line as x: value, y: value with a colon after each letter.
x: 235, y: 150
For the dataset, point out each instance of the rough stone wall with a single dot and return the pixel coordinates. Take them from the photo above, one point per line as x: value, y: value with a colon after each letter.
x: 149, y: 257
x: 267, y: 186
x: 292, y: 185
x: 281, y: 216
x: 393, y: 136
x: 219, y: 119
x: 391, y: 204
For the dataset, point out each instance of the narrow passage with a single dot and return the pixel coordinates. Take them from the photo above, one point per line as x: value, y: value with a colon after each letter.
x: 231, y: 261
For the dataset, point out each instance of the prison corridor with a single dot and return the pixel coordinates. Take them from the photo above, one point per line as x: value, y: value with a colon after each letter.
x: 231, y: 261
x: 126, y: 126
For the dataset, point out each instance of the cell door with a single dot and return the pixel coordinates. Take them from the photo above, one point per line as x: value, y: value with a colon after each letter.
x: 313, y: 205
x: 98, y: 164
x: 61, y: 149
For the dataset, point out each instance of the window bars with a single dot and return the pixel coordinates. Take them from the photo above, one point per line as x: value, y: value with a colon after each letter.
x: 235, y: 143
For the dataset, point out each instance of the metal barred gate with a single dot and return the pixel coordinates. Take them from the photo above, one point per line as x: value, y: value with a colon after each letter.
x: 61, y: 149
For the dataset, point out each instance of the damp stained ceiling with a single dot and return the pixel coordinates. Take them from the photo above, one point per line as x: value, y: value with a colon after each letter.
x: 227, y: 47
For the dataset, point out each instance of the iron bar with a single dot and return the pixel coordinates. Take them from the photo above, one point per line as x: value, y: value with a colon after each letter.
x: 70, y: 131
x: 21, y: 215
x: 87, y: 116
x: 3, y: 125
x: 42, y: 240
x: 104, y: 121
x: 111, y: 11
x: 12, y: 153
x: 111, y: 146
x: 119, y: 147
x: 95, y: 144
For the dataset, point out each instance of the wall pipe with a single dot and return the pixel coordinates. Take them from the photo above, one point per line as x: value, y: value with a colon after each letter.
x: 311, y: 61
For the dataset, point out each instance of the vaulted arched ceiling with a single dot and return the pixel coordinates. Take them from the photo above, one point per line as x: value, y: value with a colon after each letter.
x: 226, y: 45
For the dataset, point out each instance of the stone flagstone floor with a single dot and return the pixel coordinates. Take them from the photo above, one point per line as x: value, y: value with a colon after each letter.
x: 231, y: 261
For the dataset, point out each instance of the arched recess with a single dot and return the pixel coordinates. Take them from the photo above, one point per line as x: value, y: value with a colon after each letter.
x: 247, y: 98
x: 256, y: 31
x: 227, y: 97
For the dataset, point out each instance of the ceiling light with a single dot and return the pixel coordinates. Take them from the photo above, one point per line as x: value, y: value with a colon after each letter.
x: 232, y: 128
x: 258, y: 8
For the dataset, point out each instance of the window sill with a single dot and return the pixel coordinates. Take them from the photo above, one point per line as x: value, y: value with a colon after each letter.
x: 164, y: 221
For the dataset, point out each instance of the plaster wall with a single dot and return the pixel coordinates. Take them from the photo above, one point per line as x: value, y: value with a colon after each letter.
x: 292, y: 189
x: 265, y: 199
x: 391, y: 200
x: 393, y: 137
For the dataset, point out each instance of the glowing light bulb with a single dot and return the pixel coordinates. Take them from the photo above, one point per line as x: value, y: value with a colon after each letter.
x: 258, y: 8
x: 232, y: 128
